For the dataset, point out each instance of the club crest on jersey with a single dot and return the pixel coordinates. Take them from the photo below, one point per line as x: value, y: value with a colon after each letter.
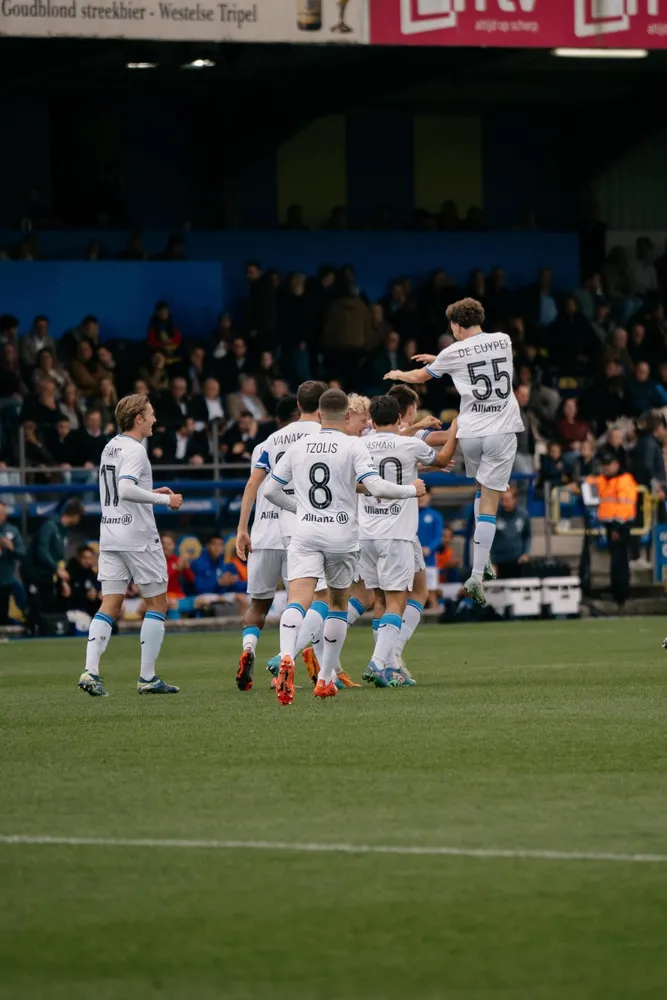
x: 395, y: 508
x: 342, y: 517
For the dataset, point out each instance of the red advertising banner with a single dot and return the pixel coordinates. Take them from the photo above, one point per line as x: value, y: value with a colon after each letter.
x: 619, y: 24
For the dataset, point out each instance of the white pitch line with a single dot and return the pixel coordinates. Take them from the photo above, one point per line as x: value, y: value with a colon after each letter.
x: 267, y: 845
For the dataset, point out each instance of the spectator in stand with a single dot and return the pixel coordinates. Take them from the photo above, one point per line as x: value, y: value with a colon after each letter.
x: 106, y: 403
x: 134, y: 249
x: 156, y: 375
x: 30, y: 344
x: 212, y: 575
x: 614, y: 442
x: 183, y: 446
x: 267, y: 373
x: 603, y: 324
x: 337, y: 219
x: 584, y: 462
x: 221, y: 337
x: 246, y: 400
x: 524, y: 461
x: 570, y: 429
x: 642, y: 267
x: 617, y: 350
x: 207, y: 408
x: 84, y: 371
x: 12, y: 551
x: 476, y: 288
x: 347, y: 335
x: 294, y: 219
x: 320, y: 293
x: 553, y: 469
x: 278, y: 389
x: 543, y: 402
x: 174, y: 405
x: 44, y: 577
x: 295, y: 332
x: 37, y: 454
x: 655, y: 322
x: 572, y: 344
x: 511, y: 546
x: 648, y: 462
x: 105, y: 366
x: 12, y: 386
x: 538, y: 302
x: 85, y: 594
x: 638, y: 345
x: 446, y: 559
x: 400, y: 309
x: 661, y: 384
x: 382, y: 360
x: 61, y: 442
x: 238, y: 443
x: 88, y: 329
x: 42, y: 407
x: 589, y: 296
x: 606, y: 399
x: 90, y: 440
x: 9, y: 330
x: 164, y: 335
x: 642, y: 390
x: 499, y: 299
x: 47, y: 366
x: 180, y: 578
x: 261, y: 307
x: 71, y: 407
x: 429, y: 532
x: 448, y: 217
x: 237, y: 362
x: 196, y: 368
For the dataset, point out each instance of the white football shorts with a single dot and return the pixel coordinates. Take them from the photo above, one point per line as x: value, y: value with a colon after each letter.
x: 148, y: 569
x: 418, y: 556
x: 337, y: 569
x: 490, y: 459
x: 266, y: 567
x: 432, y: 578
x: 321, y: 583
x: 387, y: 563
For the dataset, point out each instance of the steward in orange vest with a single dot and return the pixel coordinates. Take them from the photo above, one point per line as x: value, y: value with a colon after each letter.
x: 617, y: 510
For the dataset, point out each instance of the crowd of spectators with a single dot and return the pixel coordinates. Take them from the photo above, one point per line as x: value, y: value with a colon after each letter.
x: 589, y: 362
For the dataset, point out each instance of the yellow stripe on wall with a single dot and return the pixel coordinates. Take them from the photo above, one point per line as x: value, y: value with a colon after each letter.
x: 448, y: 162
x: 312, y: 170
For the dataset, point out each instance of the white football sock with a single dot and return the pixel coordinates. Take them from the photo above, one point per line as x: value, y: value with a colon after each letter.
x: 151, y: 636
x: 312, y: 625
x: 99, y: 634
x: 250, y: 637
x: 335, y: 630
x: 290, y: 623
x: 355, y: 610
x: 388, y: 632
x: 411, y: 618
x: 478, y: 500
x: 482, y: 541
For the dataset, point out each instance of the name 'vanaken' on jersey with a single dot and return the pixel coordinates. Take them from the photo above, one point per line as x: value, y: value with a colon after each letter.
x: 482, y: 370
x: 396, y: 458
x: 273, y: 450
x: 125, y: 526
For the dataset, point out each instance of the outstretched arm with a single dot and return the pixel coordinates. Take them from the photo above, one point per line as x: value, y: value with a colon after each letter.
x: 385, y: 490
x: 416, y: 375
x: 276, y: 494
x: 128, y: 490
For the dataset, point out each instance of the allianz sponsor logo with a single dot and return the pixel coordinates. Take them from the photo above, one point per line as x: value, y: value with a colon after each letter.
x: 123, y: 519
x: 372, y: 511
x: 268, y: 515
x: 419, y: 16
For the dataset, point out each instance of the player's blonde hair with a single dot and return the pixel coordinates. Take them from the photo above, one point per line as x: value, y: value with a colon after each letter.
x: 357, y: 403
x: 129, y: 408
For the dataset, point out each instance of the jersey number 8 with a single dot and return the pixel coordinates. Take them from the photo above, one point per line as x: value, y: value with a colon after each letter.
x: 319, y: 494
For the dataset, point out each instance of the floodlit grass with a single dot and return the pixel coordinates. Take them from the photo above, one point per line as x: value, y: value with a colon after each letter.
x: 542, y: 736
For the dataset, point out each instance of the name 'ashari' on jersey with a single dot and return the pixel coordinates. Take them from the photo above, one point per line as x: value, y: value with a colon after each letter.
x: 482, y: 370
x: 265, y: 532
x: 124, y: 526
x: 324, y: 471
x: 396, y: 458
x: 273, y: 450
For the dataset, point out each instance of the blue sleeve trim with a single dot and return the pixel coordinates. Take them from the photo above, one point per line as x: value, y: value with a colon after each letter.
x: 365, y: 475
x: 133, y: 478
x: 432, y: 373
x: 263, y: 462
x: 283, y: 482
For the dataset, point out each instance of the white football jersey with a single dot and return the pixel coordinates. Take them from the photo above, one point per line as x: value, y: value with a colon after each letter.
x: 125, y: 526
x: 482, y: 370
x: 273, y: 450
x: 324, y: 471
x: 395, y: 457
x: 265, y: 532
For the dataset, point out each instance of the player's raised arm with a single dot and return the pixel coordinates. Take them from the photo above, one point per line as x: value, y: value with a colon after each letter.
x: 415, y: 376
x: 444, y: 456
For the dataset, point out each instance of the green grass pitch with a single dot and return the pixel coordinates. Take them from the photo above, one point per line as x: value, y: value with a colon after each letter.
x: 538, y: 736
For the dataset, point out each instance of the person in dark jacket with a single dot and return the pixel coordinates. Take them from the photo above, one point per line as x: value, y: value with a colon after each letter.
x: 12, y: 551
x: 261, y: 307
x: 648, y: 459
x: 511, y: 545
x: 642, y: 390
x: 85, y: 594
x: 44, y: 575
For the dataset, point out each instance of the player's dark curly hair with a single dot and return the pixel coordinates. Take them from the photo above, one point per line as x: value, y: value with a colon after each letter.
x: 404, y: 396
x: 466, y: 313
x: 308, y: 396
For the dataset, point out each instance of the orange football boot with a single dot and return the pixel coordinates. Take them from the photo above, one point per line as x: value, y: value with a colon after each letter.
x: 309, y: 657
x: 345, y: 679
x: 285, y: 681
x: 244, y: 673
x: 324, y: 690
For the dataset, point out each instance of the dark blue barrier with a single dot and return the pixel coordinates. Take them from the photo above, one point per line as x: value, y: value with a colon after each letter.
x: 123, y: 294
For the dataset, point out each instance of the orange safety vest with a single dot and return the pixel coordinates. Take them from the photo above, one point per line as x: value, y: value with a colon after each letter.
x: 618, y: 497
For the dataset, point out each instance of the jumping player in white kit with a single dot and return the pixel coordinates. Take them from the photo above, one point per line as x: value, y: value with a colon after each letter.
x: 324, y: 472
x: 482, y: 370
x: 387, y: 530
x: 130, y: 547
